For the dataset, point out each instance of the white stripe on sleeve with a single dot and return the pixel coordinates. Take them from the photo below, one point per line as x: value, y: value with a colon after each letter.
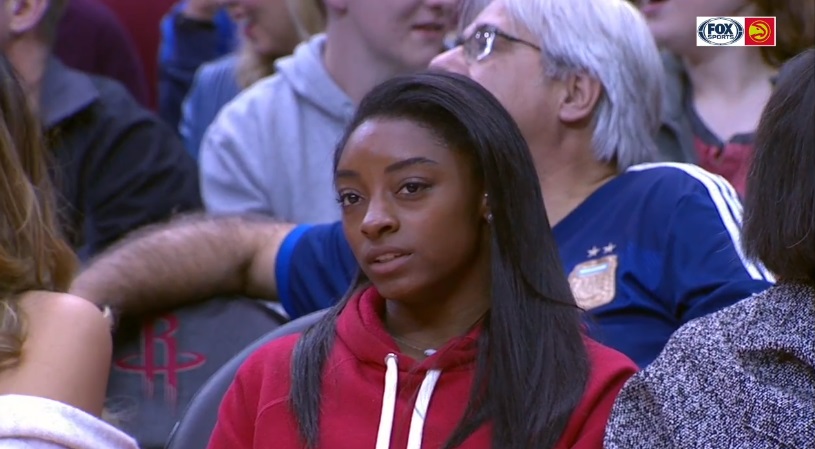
x: 727, y: 204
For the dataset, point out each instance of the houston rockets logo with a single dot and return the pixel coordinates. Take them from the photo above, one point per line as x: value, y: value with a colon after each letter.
x: 161, y: 357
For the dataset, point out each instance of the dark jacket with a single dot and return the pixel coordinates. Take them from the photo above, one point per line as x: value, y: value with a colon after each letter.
x: 117, y: 166
x: 743, y: 377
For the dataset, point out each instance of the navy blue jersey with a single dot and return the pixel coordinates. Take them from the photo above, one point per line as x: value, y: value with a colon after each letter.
x: 655, y: 247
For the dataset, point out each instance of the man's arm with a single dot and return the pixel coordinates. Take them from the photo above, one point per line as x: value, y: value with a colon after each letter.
x: 191, y: 259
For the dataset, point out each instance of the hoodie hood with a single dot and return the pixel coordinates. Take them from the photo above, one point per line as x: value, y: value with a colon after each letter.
x: 306, y: 73
x: 361, y: 329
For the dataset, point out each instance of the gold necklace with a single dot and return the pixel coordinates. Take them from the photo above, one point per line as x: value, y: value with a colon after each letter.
x: 429, y: 350
x: 411, y: 345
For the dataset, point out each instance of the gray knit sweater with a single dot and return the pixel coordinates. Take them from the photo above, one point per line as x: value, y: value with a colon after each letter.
x: 741, y: 378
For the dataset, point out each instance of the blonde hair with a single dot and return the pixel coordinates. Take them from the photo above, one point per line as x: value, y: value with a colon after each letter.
x: 33, y: 253
x: 308, y: 17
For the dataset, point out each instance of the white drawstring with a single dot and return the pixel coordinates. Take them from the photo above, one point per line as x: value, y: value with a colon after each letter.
x: 420, y: 410
x: 383, y: 437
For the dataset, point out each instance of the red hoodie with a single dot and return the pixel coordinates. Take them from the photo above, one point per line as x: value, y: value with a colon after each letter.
x: 373, y: 397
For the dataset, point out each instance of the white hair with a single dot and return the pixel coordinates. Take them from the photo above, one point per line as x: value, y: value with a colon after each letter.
x: 610, y: 41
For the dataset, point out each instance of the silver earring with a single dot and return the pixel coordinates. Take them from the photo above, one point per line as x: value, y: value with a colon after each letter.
x: 489, y: 218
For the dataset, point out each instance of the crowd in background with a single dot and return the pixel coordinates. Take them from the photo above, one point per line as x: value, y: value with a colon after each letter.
x: 511, y: 231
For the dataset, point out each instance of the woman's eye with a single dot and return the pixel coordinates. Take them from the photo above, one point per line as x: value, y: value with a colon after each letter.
x: 348, y: 199
x: 412, y: 188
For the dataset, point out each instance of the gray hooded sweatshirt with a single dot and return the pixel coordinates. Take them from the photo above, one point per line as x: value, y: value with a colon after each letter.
x: 270, y: 150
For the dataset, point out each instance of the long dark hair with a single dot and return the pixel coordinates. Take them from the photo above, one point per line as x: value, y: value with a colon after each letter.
x: 779, y: 209
x: 532, y: 366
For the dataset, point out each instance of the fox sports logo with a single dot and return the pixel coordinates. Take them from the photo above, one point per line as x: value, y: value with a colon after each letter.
x: 721, y: 31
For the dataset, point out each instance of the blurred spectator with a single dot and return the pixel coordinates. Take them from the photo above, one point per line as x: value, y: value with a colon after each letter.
x: 91, y: 39
x: 117, y: 166
x: 192, y: 33
x: 269, y: 150
x: 142, y: 19
x: 218, y: 82
x: 54, y: 347
x: 715, y: 95
x: 745, y: 376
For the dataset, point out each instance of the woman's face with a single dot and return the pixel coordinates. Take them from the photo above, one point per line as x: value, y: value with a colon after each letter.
x: 412, y: 210
x: 673, y: 22
x: 268, y: 26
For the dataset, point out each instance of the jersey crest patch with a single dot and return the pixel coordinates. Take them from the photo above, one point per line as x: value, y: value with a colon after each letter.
x: 594, y: 282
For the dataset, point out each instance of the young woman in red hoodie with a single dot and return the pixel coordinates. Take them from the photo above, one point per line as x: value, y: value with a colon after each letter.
x: 461, y: 331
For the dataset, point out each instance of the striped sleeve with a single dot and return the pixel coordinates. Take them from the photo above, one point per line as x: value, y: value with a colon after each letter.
x: 705, y: 268
x: 728, y: 208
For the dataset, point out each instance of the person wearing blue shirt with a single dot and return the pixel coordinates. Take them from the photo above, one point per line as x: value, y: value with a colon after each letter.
x: 647, y: 246
x: 189, y: 38
x: 647, y: 252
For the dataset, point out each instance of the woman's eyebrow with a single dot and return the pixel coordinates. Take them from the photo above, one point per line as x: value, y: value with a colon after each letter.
x: 396, y: 166
x: 400, y: 165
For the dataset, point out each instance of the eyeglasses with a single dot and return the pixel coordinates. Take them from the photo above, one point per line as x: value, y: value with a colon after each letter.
x: 482, y: 42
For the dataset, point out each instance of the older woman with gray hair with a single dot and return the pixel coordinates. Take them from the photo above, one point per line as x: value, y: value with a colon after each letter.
x: 744, y: 377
